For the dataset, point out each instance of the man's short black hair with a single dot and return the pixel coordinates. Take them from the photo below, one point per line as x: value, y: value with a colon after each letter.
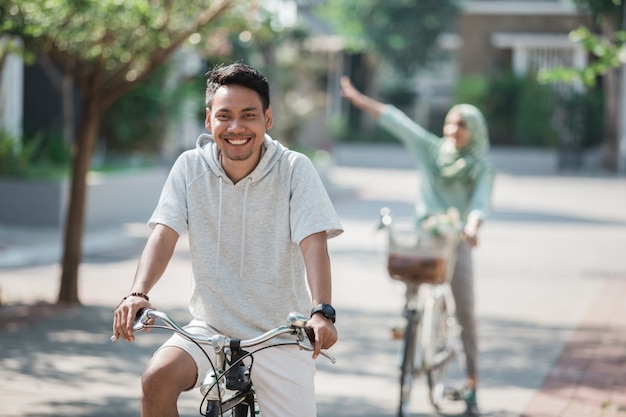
x: 237, y: 74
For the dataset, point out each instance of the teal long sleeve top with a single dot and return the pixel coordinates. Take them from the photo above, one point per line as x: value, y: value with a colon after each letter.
x: 469, y: 191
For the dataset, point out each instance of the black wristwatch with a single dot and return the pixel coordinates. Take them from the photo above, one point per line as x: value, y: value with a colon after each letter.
x: 327, y: 311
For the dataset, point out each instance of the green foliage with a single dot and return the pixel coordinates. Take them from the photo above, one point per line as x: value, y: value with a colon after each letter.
x: 533, y: 120
x: 295, y: 73
x: 402, y: 32
x: 33, y: 157
x: 601, y: 8
x: 586, y: 112
x: 13, y: 157
x: 520, y: 111
x: 607, y: 55
x: 471, y: 89
x: 108, y: 47
x: 498, y: 98
x: 111, y: 34
x: 137, y: 121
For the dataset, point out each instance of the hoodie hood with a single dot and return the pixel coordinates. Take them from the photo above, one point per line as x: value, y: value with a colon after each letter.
x: 271, y: 152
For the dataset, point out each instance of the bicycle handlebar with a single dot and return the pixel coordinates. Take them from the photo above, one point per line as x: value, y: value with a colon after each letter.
x: 297, y: 327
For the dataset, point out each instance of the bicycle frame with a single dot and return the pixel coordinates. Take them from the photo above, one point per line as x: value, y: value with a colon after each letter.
x: 230, y: 374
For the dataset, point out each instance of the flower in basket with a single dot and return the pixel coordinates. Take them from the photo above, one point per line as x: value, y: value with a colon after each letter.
x: 443, y: 224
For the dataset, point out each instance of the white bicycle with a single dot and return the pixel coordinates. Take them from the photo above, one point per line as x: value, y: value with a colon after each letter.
x: 423, y: 258
x: 227, y: 387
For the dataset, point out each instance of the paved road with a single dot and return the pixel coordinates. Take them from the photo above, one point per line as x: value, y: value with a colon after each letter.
x: 552, y: 248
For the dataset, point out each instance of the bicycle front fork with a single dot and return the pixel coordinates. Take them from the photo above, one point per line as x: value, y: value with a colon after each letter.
x: 411, y: 338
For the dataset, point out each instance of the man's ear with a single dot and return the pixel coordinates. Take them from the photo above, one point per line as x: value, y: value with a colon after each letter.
x: 268, y: 118
x: 207, y: 120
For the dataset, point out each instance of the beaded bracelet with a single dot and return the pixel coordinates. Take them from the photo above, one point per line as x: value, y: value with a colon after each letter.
x: 133, y: 294
x: 138, y: 294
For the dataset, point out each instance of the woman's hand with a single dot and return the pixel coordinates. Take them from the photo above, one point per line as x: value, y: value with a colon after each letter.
x: 347, y: 89
x: 372, y: 107
x: 470, y: 231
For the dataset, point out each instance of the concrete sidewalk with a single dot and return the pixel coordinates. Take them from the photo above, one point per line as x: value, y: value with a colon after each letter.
x: 33, y: 245
x: 589, y: 378
x: 550, y: 282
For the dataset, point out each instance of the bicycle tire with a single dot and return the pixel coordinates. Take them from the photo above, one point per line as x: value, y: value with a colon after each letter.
x: 407, y: 367
x: 437, y: 349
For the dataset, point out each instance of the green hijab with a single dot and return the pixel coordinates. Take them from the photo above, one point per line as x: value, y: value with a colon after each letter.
x: 454, y: 163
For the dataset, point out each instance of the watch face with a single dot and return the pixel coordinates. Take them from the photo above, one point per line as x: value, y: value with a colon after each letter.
x: 328, y: 310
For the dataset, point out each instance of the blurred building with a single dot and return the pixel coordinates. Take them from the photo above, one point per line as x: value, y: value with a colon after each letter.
x: 495, y: 36
x: 489, y: 37
x: 518, y: 35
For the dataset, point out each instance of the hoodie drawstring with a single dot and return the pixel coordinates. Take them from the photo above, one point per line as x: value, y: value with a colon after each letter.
x: 219, y: 228
x: 243, y: 226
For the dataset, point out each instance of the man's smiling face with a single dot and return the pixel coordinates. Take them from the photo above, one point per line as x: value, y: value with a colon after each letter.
x: 238, y: 123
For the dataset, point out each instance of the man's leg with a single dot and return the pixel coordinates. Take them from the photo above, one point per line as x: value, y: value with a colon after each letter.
x: 283, y: 379
x: 170, y: 372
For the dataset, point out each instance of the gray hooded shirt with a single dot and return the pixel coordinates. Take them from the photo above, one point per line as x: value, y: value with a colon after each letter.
x: 247, y: 267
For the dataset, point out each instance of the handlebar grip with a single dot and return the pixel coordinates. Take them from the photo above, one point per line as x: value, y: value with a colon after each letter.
x: 141, y: 318
x: 310, y: 334
x: 140, y: 312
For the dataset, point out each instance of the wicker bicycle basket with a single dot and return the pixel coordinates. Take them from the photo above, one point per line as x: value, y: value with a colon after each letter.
x: 419, y: 256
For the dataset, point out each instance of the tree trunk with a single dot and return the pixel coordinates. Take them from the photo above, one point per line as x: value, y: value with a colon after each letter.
x: 611, y: 107
x: 611, y: 145
x: 67, y: 95
x: 82, y: 152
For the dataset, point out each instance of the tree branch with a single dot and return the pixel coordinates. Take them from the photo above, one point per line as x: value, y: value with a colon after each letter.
x: 119, y: 86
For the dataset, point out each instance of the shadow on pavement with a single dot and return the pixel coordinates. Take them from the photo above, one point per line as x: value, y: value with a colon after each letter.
x: 66, y: 364
x: 370, y: 209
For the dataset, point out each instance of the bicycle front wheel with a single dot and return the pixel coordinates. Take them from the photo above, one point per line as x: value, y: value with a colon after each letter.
x: 438, y: 334
x: 407, y: 367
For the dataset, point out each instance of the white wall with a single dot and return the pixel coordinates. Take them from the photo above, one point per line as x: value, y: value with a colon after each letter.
x: 11, y: 94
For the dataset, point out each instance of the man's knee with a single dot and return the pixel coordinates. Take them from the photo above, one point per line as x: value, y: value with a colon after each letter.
x: 169, y: 372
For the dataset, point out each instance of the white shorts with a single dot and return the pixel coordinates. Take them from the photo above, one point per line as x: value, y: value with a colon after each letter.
x: 283, y: 376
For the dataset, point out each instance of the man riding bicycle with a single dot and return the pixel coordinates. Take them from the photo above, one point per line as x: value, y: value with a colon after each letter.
x: 258, y: 219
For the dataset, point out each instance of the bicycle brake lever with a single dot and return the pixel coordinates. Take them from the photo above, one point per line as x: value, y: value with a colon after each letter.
x: 141, y: 319
x: 328, y: 356
x: 309, y: 347
x: 307, y: 344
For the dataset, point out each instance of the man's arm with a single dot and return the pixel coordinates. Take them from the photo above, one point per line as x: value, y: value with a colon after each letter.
x: 152, y: 264
x: 315, y: 251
